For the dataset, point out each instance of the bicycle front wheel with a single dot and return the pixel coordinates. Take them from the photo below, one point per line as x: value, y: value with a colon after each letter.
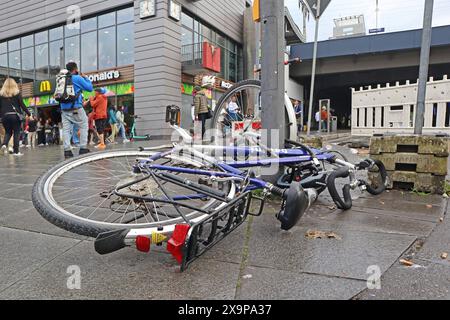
x: 80, y: 195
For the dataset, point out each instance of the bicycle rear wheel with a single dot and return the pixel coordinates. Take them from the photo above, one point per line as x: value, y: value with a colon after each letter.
x: 80, y: 195
x: 247, y: 117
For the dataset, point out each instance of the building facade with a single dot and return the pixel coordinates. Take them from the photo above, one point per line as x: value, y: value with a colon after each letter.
x: 148, y: 54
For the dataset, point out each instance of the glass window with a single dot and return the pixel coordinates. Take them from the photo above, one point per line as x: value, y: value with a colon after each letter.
x: 89, y: 25
x: 3, y: 48
x: 3, y: 62
x: 89, y: 51
x: 14, y: 45
x: 56, y: 33
x: 55, y: 56
x: 125, y: 15
x: 125, y: 45
x: 28, y: 59
x: 41, y: 37
x: 207, y: 33
x: 41, y: 56
x: 187, y: 21
x: 14, y: 63
x: 27, y: 41
x: 72, y: 49
x: 107, y: 20
x: 71, y: 30
x: 186, y: 37
x: 107, y: 47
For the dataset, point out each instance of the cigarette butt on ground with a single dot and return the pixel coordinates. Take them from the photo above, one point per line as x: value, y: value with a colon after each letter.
x: 406, y: 262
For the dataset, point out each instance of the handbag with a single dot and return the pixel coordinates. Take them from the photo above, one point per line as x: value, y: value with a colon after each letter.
x: 209, y: 115
x: 20, y: 115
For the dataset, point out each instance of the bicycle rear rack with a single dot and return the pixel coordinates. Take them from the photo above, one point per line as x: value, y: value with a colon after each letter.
x: 207, y: 233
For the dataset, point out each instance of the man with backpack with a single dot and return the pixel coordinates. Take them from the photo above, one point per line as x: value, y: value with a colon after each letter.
x: 69, y: 93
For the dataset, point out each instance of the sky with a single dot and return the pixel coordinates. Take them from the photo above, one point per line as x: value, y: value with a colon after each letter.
x: 394, y: 15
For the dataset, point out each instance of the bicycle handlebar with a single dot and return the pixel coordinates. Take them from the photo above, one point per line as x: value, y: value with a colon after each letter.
x: 344, y: 172
x: 331, y: 185
x: 383, y: 173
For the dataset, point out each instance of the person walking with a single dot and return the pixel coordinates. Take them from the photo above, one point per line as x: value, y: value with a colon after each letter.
x: 12, y: 109
x: 298, y: 108
x: 120, y: 116
x: 113, y: 124
x: 32, y: 131
x: 324, y: 117
x: 201, y: 108
x: 99, y: 104
x: 73, y: 113
x: 92, y: 131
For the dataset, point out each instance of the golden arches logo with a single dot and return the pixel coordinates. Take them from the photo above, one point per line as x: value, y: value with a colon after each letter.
x: 45, y: 86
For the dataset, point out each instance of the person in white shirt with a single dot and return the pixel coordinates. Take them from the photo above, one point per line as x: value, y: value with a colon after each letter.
x: 233, y: 109
x: 121, y: 124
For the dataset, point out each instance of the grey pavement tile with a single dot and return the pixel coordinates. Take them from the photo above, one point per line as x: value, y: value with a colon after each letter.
x: 438, y: 242
x: 24, y: 251
x: 275, y: 284
x: 29, y: 219
x: 428, y: 282
x: 349, y: 257
x: 358, y: 220
x: 127, y: 274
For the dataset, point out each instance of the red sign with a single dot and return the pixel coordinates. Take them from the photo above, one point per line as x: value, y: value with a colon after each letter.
x: 211, y: 57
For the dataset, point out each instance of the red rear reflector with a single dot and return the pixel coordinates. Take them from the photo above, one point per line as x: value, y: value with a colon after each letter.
x: 176, y: 243
x: 256, y: 126
x: 143, y: 243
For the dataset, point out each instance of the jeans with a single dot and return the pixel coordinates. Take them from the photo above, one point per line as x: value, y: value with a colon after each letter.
x: 12, y: 126
x: 75, y: 138
x: 122, y: 131
x: 203, y: 117
x: 32, y: 137
x: 71, y: 118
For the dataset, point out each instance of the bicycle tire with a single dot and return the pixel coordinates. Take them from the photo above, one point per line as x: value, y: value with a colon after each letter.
x: 232, y: 91
x: 69, y: 222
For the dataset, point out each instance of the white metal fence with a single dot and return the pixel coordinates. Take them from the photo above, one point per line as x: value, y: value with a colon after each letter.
x: 391, y: 109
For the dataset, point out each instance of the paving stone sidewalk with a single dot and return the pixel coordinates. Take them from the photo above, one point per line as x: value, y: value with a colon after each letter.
x: 257, y: 261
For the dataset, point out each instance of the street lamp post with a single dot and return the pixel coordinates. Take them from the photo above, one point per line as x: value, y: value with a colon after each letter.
x: 313, y: 73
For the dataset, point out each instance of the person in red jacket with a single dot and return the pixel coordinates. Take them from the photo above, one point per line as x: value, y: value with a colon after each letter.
x: 99, y: 105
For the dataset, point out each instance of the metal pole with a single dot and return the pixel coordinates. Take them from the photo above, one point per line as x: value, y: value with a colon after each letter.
x: 424, y: 65
x: 313, y: 73
x: 273, y: 68
x: 273, y: 46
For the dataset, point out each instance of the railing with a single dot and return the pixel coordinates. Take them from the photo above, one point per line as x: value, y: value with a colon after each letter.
x: 391, y: 109
x: 192, y: 54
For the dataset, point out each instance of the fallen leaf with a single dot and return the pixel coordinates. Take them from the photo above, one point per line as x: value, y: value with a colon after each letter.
x: 382, y: 202
x: 332, y: 207
x: 429, y: 206
x: 315, y: 234
x: 247, y: 276
x: 406, y: 262
x: 441, y: 219
x: 444, y: 255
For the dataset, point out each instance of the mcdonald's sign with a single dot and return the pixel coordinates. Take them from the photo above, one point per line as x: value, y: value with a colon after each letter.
x: 44, y: 87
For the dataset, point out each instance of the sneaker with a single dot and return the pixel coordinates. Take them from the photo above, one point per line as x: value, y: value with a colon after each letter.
x: 101, y: 146
x: 84, y: 151
x: 4, y: 150
x: 28, y: 146
x: 126, y: 141
x: 10, y: 150
x: 68, y: 154
x: 18, y: 154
